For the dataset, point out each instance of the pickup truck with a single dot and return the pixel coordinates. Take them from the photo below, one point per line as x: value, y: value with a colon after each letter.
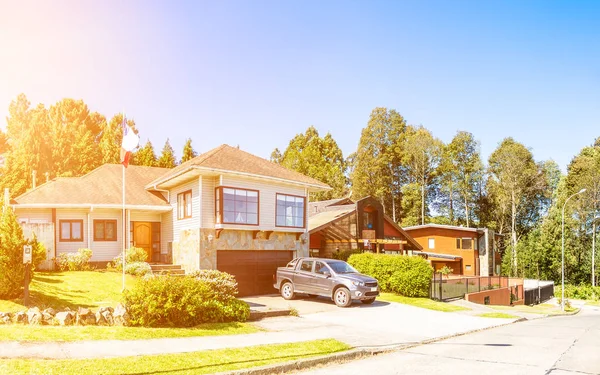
x: 331, y: 278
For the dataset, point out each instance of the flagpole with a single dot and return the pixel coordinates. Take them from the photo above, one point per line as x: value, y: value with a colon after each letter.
x: 124, y: 227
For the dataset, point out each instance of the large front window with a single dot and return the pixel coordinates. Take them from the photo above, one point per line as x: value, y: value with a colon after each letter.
x: 290, y: 211
x: 105, y: 230
x: 236, y: 206
x: 71, y: 230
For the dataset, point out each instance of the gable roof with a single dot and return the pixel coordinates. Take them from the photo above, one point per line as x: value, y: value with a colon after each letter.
x: 101, y: 187
x: 227, y: 159
x: 442, y: 226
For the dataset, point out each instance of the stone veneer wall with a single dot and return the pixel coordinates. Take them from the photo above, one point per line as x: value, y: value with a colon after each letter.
x: 330, y: 248
x: 194, y: 251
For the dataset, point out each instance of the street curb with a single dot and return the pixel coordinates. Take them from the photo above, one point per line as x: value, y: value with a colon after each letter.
x: 356, y: 353
x: 256, y: 315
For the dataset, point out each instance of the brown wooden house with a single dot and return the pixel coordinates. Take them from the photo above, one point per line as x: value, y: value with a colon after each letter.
x: 340, y: 224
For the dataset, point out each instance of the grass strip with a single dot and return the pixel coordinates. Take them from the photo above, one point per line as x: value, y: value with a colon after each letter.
x: 204, y: 362
x: 425, y: 303
x: 498, y: 315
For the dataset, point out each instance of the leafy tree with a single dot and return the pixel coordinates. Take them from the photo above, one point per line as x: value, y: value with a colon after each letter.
x: 461, y: 170
x: 145, y: 156
x: 519, y: 187
x: 188, y: 151
x: 376, y: 165
x: 111, y: 139
x: 421, y: 154
x: 317, y: 157
x: 276, y: 156
x: 167, y: 157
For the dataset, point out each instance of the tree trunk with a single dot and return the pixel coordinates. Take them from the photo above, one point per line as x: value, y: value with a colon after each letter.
x: 423, y: 201
x: 514, y: 231
x: 467, y: 210
x: 451, y: 205
x: 393, y: 208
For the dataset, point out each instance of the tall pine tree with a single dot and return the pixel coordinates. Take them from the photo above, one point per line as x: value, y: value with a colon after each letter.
x: 167, y: 157
x: 188, y: 151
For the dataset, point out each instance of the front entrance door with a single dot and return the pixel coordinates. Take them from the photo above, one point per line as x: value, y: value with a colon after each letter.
x: 142, y: 237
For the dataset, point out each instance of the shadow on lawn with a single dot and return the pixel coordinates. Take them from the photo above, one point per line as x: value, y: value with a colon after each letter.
x: 48, y: 280
x: 43, y: 301
x: 176, y: 370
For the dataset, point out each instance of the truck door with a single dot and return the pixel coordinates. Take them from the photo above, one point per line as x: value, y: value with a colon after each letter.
x: 322, y: 279
x: 303, y: 277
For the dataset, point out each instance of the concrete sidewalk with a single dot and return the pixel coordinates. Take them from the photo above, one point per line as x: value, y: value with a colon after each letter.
x: 381, y: 325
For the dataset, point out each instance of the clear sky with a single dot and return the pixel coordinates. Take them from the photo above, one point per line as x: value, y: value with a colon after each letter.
x: 255, y: 73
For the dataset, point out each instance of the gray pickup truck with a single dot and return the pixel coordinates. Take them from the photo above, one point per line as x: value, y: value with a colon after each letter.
x: 331, y: 278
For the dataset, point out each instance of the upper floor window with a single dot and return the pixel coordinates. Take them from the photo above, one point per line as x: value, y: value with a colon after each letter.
x: 236, y: 206
x: 71, y: 230
x: 184, y: 205
x: 431, y: 243
x: 105, y: 230
x: 464, y: 243
x: 290, y: 211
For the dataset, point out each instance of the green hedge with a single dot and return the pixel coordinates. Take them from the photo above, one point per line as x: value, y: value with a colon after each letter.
x: 170, y: 301
x: 585, y: 292
x: 404, y: 275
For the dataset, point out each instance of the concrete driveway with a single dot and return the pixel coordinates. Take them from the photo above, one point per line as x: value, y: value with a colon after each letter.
x: 379, y: 324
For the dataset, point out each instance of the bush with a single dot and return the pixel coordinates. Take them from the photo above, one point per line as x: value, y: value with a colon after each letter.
x: 138, y: 268
x: 167, y: 301
x: 132, y: 255
x: 408, y: 276
x: 584, y: 291
x: 12, y: 270
x: 79, y: 261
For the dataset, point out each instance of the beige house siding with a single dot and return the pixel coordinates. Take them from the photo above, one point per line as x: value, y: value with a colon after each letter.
x: 194, y: 221
x: 208, y: 201
x: 166, y: 229
x: 69, y: 247
x: 268, y: 203
x: 105, y: 250
x: 145, y: 216
x: 34, y: 215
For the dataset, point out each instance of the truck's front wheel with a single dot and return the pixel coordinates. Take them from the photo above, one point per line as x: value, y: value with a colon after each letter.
x: 342, y: 297
x: 287, y: 290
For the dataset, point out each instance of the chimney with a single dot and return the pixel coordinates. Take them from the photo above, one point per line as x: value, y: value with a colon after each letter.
x: 33, y: 173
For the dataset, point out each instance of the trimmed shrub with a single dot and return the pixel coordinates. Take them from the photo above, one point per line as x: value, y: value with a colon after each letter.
x: 168, y: 301
x: 221, y: 282
x: 132, y: 255
x: 138, y: 268
x: 408, y: 276
x: 79, y: 261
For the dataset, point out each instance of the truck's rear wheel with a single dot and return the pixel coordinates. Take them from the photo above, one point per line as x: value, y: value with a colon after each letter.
x: 287, y: 290
x: 342, y: 297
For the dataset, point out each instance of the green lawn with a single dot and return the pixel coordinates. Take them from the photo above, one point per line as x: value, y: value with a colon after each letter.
x: 205, y: 362
x: 77, y: 333
x: 425, y: 303
x: 542, y: 309
x: 498, y: 315
x: 58, y: 290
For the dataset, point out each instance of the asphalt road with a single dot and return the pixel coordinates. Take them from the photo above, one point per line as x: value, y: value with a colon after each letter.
x: 553, y: 346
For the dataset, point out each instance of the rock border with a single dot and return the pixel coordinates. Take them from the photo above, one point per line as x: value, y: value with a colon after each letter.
x: 104, y: 316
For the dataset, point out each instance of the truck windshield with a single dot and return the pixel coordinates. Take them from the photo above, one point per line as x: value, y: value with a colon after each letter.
x: 341, y: 267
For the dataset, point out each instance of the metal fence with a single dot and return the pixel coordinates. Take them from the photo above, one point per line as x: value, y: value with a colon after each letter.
x: 540, y: 294
x: 443, y: 289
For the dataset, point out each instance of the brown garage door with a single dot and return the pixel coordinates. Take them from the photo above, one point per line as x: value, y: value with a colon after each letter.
x: 253, y: 269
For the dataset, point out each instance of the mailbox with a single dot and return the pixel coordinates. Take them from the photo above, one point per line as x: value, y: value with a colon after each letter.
x: 27, y: 257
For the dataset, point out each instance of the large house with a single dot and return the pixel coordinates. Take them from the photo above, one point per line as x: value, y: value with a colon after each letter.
x: 339, y: 225
x: 225, y: 209
x: 467, y: 251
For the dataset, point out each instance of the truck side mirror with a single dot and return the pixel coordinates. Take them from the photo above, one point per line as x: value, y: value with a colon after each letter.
x: 327, y: 274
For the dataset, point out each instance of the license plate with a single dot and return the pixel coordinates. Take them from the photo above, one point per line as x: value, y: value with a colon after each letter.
x: 374, y: 289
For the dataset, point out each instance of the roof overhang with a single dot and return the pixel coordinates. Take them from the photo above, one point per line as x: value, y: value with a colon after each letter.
x: 170, y: 181
x: 94, y: 206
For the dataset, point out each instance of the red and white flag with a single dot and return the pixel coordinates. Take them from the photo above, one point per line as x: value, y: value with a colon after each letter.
x: 130, y: 142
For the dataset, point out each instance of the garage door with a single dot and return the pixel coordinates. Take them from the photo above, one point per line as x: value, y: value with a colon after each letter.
x: 253, y: 269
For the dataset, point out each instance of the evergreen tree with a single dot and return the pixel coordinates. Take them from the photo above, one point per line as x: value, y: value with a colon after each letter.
x: 317, y: 157
x: 145, y: 156
x: 167, y: 157
x: 12, y: 269
x: 188, y: 151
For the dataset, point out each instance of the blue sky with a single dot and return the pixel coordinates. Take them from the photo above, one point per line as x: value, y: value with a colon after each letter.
x: 255, y: 73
